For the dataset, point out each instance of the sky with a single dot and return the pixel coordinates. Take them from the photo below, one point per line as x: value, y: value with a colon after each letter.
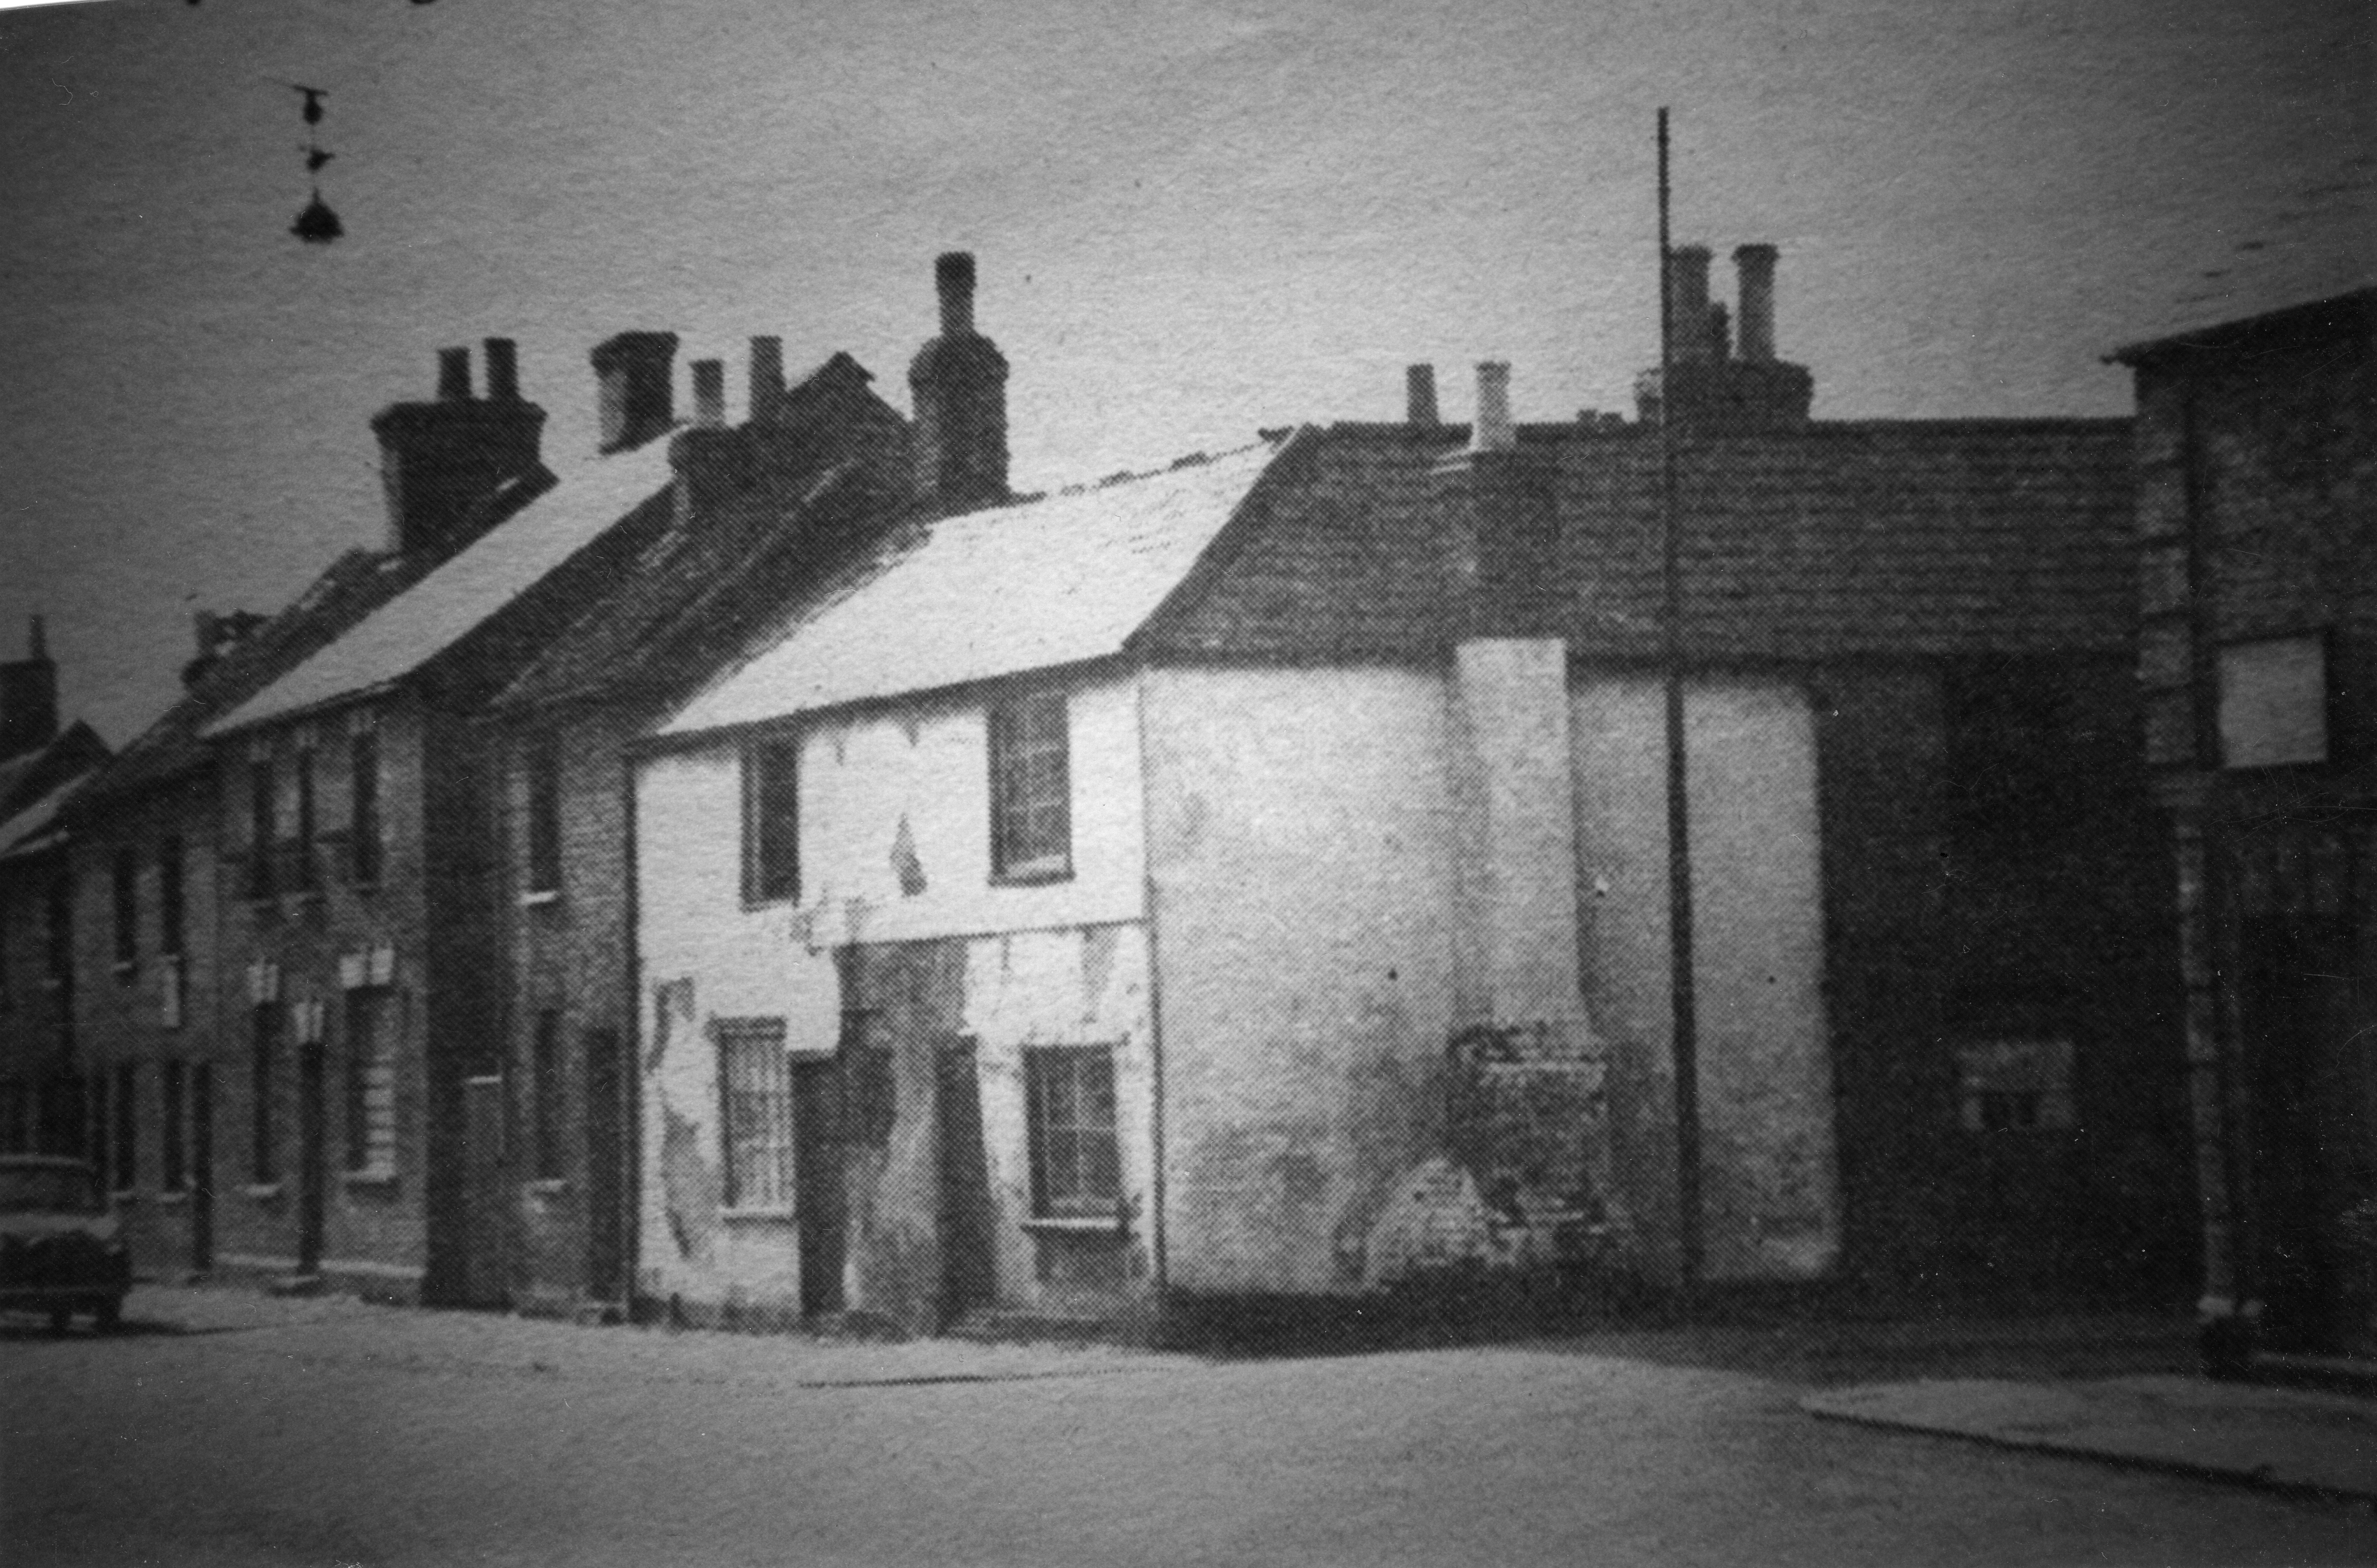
x: 1193, y: 219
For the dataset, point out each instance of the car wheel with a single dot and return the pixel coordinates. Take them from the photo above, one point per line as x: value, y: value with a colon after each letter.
x: 61, y: 1318
x: 108, y: 1316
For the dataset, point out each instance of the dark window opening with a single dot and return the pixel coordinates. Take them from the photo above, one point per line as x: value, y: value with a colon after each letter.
x: 97, y: 1124
x: 1076, y: 1161
x: 127, y: 1126
x: 362, y: 782
x: 127, y: 880
x: 60, y: 928
x: 172, y: 1147
x: 304, y: 875
x: 260, y: 879
x: 1031, y: 822
x: 2017, y: 772
x: 772, y: 821
x: 544, y: 816
x: 264, y: 1165
x: 548, y: 1087
x: 172, y: 911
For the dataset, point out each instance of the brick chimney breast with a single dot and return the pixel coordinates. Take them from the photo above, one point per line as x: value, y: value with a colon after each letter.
x: 1753, y: 265
x: 29, y: 697
x: 1419, y: 396
x: 440, y: 461
x: 958, y: 384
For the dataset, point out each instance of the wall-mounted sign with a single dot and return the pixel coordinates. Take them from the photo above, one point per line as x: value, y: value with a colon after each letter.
x: 2274, y: 703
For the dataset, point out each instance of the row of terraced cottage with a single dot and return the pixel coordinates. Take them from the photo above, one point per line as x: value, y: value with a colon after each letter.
x: 771, y: 869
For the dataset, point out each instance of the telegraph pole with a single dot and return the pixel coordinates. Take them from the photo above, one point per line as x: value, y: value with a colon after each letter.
x: 1682, y: 1000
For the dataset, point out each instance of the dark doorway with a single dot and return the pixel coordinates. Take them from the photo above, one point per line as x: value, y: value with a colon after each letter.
x: 969, y: 1269
x: 313, y: 1154
x: 202, y: 1165
x: 2300, y: 1090
x: 606, y: 1119
x: 484, y: 1280
x: 817, y: 1181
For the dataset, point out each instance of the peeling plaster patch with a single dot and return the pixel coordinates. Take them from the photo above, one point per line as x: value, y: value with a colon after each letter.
x: 1097, y: 968
x: 689, y: 1187
x: 670, y: 1001
x: 904, y: 864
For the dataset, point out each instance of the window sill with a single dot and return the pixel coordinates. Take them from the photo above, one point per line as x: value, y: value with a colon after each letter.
x: 126, y: 971
x: 380, y: 1177
x: 1031, y: 877
x: 756, y: 1215
x: 124, y: 1197
x: 538, y: 898
x: 549, y: 1185
x: 262, y: 1191
x: 1075, y: 1225
x: 174, y: 1197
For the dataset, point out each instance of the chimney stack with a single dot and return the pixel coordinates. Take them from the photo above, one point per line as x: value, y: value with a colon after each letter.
x: 1687, y: 301
x: 503, y: 370
x: 453, y: 376
x: 634, y: 377
x: 1493, y: 431
x: 440, y: 462
x: 709, y: 394
x: 1419, y: 396
x: 767, y: 381
x: 29, y: 697
x: 1754, y: 265
x: 959, y: 385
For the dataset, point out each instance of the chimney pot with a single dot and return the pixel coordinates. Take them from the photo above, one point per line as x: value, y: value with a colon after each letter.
x: 1687, y: 301
x: 1754, y: 265
x: 634, y: 374
x: 709, y: 394
x: 767, y: 380
x: 453, y: 376
x: 1419, y: 395
x: 953, y: 276
x: 1493, y: 431
x: 29, y: 697
x: 502, y: 355
x: 1720, y: 333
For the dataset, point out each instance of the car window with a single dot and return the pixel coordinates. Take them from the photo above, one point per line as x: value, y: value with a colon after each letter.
x: 51, y: 1191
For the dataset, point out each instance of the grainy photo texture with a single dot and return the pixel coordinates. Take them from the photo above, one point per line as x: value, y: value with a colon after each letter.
x: 1249, y: 781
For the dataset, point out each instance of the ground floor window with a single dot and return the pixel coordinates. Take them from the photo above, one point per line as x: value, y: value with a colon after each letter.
x: 370, y: 1084
x: 755, y: 1112
x: 172, y: 1145
x: 127, y: 1126
x: 264, y: 1057
x: 1076, y: 1161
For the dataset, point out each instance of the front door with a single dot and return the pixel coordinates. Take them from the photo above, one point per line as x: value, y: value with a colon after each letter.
x: 817, y: 1181
x: 202, y: 1165
x: 485, y: 1282
x: 313, y: 1154
x: 969, y: 1270
x: 2304, y: 1086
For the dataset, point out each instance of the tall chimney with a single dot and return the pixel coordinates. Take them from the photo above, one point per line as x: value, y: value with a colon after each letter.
x: 1688, y: 300
x: 1493, y: 431
x: 29, y: 697
x: 959, y: 385
x: 1419, y: 395
x: 709, y: 394
x: 453, y: 376
x: 767, y: 380
x: 1754, y: 265
x: 503, y: 370
x: 441, y: 460
x: 634, y: 373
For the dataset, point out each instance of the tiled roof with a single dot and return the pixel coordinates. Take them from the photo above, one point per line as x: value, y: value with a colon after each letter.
x: 1052, y: 580
x: 457, y: 598
x: 355, y: 583
x: 1843, y: 539
x: 30, y: 831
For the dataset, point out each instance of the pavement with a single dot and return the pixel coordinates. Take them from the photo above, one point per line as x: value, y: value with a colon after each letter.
x: 2299, y: 1441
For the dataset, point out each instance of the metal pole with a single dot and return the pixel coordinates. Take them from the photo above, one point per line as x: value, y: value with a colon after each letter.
x: 1682, y: 1001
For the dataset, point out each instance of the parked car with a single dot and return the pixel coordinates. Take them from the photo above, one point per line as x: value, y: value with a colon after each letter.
x: 62, y: 1249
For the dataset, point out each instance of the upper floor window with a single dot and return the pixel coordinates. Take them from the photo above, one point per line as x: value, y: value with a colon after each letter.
x: 172, y: 908
x: 2017, y: 781
x: 304, y: 875
x: 544, y: 816
x: 60, y: 930
x: 260, y: 834
x: 127, y: 887
x: 362, y: 799
x: 772, y: 821
x: 1030, y: 818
